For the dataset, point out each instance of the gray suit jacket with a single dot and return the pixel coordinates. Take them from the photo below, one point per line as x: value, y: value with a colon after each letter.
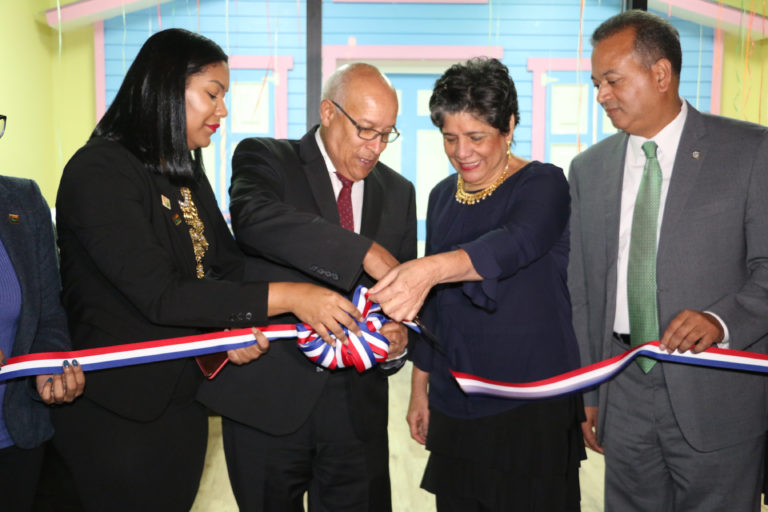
x: 43, y: 325
x: 712, y: 255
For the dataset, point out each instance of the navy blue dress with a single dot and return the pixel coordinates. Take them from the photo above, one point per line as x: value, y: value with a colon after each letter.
x: 513, y: 326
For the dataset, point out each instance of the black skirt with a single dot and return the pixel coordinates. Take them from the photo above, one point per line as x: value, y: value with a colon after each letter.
x: 524, y: 459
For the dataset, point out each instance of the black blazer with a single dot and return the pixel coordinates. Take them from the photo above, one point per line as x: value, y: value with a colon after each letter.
x: 27, y: 234
x: 128, y: 271
x: 284, y: 213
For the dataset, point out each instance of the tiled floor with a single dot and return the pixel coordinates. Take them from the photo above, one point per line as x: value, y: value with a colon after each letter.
x: 407, y: 459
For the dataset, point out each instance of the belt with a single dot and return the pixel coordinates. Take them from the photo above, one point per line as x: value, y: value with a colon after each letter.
x: 624, y: 338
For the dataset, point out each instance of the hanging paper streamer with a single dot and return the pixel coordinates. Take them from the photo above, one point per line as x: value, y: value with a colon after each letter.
x: 578, y: 76
x: 298, y: 21
x: 594, y: 374
x: 58, y: 25
x: 125, y: 38
x: 226, y: 26
x: 361, y: 353
x: 698, y: 68
x: 747, y: 72
x: 159, y: 18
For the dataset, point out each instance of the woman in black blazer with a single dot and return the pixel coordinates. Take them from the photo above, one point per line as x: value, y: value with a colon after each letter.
x: 146, y: 255
x: 31, y: 320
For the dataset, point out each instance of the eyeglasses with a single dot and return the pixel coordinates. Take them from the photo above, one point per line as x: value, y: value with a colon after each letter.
x: 2, y: 124
x: 370, y: 133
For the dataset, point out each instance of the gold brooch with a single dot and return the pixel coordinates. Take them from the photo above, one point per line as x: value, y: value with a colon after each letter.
x: 196, y: 229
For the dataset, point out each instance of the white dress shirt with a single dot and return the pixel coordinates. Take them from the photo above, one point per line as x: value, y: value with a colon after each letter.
x: 667, y: 141
x: 358, y: 187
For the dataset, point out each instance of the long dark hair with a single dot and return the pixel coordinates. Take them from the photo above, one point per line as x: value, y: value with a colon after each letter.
x: 148, y: 115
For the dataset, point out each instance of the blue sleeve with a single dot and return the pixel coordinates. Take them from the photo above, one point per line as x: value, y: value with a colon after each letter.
x: 535, y: 221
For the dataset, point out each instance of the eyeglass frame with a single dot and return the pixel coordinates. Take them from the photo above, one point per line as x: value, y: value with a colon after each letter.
x: 4, y: 121
x: 380, y: 135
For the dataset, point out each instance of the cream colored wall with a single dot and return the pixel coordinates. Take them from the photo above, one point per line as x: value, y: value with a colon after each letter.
x: 49, y: 103
x: 745, y: 80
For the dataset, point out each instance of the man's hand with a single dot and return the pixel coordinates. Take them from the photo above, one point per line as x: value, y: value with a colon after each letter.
x: 589, y: 429
x: 244, y: 355
x: 402, y: 292
x: 691, y: 330
x: 378, y: 261
x: 397, y: 335
x: 63, y: 387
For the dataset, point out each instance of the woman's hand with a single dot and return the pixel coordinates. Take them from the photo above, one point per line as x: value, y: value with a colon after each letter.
x: 402, y: 292
x: 64, y: 387
x: 418, y: 407
x: 244, y: 355
x: 320, y: 308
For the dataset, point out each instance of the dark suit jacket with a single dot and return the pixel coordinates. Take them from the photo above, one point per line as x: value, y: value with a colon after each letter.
x: 43, y: 324
x: 128, y: 271
x: 712, y: 255
x: 284, y: 213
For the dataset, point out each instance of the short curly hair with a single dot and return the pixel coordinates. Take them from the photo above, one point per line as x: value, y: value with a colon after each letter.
x: 481, y: 87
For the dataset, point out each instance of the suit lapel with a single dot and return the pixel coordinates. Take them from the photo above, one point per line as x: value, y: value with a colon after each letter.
x: 610, y: 182
x: 684, y: 173
x: 16, y: 237
x: 317, y: 177
x: 372, y: 197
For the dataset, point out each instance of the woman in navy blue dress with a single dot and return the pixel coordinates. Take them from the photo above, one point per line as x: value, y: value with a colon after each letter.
x: 494, y: 282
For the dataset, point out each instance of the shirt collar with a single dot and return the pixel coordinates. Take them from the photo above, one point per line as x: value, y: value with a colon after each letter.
x: 667, y: 139
x: 326, y: 158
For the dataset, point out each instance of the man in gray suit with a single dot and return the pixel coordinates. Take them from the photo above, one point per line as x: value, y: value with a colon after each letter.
x: 675, y: 437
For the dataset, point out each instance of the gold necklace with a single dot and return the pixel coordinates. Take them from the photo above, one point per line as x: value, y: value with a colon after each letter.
x: 196, y: 229
x: 464, y: 197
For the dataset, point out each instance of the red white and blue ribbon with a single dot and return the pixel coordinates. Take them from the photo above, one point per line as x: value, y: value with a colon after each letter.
x: 594, y: 374
x: 361, y: 353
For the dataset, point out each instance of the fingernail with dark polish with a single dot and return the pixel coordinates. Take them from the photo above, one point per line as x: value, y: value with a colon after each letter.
x: 75, y: 363
x: 50, y: 379
x: 66, y: 364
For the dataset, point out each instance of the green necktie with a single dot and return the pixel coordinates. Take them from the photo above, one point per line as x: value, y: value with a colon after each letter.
x: 641, y: 274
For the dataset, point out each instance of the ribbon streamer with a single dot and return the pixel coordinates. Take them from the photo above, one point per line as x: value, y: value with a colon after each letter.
x: 361, y: 353
x: 594, y: 374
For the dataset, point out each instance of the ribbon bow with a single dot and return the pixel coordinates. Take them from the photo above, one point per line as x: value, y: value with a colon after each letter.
x: 361, y: 353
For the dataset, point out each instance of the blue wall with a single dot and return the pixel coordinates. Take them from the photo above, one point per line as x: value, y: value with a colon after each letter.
x: 525, y: 29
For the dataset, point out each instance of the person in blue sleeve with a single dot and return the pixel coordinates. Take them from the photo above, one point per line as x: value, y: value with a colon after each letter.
x: 31, y: 320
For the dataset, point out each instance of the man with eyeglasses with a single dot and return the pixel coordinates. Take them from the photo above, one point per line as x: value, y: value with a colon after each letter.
x: 322, y: 209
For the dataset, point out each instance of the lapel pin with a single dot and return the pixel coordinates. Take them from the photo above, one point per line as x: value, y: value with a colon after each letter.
x: 696, y: 155
x: 13, y: 218
x: 176, y: 219
x: 166, y: 202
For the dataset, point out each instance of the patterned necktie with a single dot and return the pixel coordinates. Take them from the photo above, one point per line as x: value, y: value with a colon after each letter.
x: 641, y: 274
x: 344, y: 203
